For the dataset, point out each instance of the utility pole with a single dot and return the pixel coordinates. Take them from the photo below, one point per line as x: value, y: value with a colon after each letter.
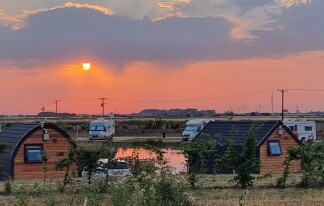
x: 272, y: 100
x: 55, y: 102
x: 282, y: 101
x: 103, y: 105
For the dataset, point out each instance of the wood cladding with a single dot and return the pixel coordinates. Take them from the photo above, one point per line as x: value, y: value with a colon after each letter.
x: 60, y: 146
x: 274, y: 164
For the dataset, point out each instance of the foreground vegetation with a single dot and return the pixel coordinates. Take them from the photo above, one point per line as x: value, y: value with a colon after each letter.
x: 171, y: 190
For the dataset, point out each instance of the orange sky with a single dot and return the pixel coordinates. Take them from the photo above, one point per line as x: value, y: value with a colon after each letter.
x: 217, y: 85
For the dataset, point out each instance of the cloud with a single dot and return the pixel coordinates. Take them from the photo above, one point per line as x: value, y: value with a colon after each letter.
x: 290, y: 3
x: 70, y: 33
x: 166, y: 5
x: 19, y: 21
x: 8, y: 21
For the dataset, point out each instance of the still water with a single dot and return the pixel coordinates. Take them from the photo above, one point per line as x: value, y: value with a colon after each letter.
x: 175, y: 158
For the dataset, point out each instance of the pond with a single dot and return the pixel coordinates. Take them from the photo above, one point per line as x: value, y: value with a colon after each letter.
x: 176, y: 160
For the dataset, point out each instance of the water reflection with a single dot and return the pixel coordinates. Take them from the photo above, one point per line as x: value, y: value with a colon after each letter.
x: 176, y: 159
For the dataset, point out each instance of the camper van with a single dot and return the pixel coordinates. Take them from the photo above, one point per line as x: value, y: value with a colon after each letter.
x: 101, y: 129
x: 305, y: 130
x: 193, y: 127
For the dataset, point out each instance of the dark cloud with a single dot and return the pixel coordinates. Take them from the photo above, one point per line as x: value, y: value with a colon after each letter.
x: 70, y: 33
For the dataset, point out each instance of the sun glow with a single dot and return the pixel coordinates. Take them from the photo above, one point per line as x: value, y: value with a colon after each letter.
x: 86, y: 66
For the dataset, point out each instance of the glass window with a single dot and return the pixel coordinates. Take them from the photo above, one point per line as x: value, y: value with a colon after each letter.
x: 274, y: 148
x: 191, y: 128
x: 33, y: 153
x: 308, y: 128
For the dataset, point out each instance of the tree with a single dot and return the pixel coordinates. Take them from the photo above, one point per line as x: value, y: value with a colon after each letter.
x: 86, y: 157
x: 245, y: 162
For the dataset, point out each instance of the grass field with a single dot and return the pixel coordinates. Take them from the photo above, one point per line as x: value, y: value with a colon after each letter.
x: 211, y: 190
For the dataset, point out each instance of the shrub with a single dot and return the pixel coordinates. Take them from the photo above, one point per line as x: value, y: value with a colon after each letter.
x: 312, y: 157
x: 7, y: 185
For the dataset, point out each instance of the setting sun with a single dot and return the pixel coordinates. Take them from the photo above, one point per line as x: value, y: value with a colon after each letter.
x: 86, y: 66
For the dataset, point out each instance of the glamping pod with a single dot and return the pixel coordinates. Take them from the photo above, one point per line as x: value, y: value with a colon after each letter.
x: 272, y: 139
x: 26, y: 144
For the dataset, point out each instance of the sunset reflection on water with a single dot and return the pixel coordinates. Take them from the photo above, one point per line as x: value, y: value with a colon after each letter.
x: 176, y: 159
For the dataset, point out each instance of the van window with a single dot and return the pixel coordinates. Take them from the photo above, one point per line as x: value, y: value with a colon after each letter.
x: 308, y: 128
x: 96, y: 128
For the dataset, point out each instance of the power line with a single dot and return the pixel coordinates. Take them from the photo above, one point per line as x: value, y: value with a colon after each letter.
x: 308, y: 90
x: 78, y: 100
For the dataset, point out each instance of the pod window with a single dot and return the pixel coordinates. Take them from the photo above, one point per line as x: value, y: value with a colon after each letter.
x: 274, y: 148
x: 33, y: 153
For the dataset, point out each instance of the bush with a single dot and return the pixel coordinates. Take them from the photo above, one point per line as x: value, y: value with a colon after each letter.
x: 312, y: 157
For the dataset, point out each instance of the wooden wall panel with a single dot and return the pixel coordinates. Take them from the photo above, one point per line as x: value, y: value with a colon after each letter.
x: 274, y: 164
x: 24, y: 170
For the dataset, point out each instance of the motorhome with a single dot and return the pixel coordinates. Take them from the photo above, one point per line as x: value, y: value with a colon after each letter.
x: 305, y: 130
x: 101, y: 128
x: 193, y: 127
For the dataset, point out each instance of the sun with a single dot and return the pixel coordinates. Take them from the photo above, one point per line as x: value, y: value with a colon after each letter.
x: 86, y: 66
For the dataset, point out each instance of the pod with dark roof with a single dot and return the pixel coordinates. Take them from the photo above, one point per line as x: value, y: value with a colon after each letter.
x: 26, y: 144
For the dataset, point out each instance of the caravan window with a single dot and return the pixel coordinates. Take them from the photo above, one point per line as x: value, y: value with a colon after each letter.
x: 274, y: 148
x: 293, y: 128
x: 308, y: 128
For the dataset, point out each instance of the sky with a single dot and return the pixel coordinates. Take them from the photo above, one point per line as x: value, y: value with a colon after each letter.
x: 211, y: 54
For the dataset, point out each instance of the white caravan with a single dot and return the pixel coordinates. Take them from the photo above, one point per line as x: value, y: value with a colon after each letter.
x: 112, y: 168
x: 303, y: 129
x: 193, y: 127
x: 101, y: 128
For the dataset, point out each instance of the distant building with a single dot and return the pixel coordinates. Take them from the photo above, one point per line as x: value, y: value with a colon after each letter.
x: 177, y: 112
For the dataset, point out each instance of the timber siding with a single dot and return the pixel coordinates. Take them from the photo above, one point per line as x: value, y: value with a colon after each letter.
x: 17, y: 136
x: 274, y: 164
